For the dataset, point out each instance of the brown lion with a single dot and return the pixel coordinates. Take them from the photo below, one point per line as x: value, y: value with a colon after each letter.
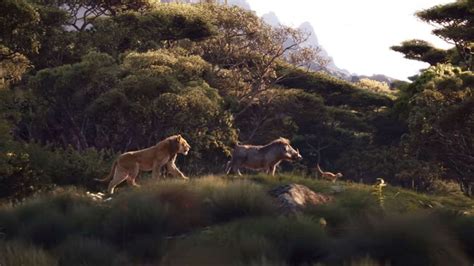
x: 128, y: 165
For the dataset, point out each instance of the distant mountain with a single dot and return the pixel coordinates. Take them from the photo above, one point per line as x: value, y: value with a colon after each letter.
x: 240, y: 3
x: 272, y: 19
x: 331, y: 67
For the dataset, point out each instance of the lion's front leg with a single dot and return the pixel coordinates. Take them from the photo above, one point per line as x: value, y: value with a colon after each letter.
x: 156, y: 171
x: 173, y: 170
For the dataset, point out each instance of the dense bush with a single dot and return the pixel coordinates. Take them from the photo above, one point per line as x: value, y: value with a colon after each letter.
x: 19, y: 179
x: 391, y: 164
x: 26, y: 169
x: 69, y: 166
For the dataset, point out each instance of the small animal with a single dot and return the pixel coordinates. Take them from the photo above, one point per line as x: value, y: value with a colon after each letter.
x: 128, y: 165
x: 328, y: 175
x: 262, y: 157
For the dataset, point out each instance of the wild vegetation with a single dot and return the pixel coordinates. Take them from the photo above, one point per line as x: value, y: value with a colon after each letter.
x: 78, y: 88
x: 214, y: 220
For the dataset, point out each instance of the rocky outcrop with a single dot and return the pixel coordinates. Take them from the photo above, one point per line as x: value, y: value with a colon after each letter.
x: 292, y: 198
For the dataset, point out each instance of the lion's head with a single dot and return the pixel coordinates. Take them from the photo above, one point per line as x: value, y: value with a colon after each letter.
x: 183, y: 146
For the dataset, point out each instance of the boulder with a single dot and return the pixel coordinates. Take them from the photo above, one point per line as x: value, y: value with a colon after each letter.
x: 292, y: 198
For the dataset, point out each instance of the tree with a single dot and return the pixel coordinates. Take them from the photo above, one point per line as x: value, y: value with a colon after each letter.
x: 282, y: 113
x: 455, y: 24
x: 247, y: 46
x: 422, y: 51
x: 100, y: 103
x: 18, y: 39
x: 374, y: 86
x: 18, y: 34
x: 82, y: 13
x: 154, y: 29
x: 441, y: 121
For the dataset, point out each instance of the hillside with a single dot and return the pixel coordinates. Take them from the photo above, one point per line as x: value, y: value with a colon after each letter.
x: 221, y: 220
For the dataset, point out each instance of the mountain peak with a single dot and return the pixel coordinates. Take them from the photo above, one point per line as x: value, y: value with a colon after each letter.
x: 307, y: 25
x: 307, y: 28
x: 240, y: 3
x: 271, y: 19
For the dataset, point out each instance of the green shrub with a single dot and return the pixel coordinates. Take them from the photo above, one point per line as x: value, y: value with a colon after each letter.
x: 441, y: 187
x: 69, y: 166
x: 18, y: 253
x: 17, y: 176
x: 392, y: 164
x: 26, y: 169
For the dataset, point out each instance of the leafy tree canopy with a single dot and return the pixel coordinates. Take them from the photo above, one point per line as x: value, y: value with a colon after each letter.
x: 422, y: 51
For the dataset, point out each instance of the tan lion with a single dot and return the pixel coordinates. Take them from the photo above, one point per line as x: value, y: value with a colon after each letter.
x: 128, y: 165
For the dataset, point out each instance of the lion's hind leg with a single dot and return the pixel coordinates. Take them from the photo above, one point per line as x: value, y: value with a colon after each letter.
x: 132, y: 177
x: 120, y: 175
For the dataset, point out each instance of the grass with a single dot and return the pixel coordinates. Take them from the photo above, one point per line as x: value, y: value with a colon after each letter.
x: 233, y: 221
x: 18, y: 253
x: 88, y: 251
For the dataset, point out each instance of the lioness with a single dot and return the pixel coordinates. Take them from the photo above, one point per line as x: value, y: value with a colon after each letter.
x: 129, y: 164
x: 265, y: 157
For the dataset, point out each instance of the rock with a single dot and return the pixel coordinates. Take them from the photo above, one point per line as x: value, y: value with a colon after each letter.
x: 294, y: 197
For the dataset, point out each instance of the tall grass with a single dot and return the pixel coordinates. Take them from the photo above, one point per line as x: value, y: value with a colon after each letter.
x: 18, y: 253
x: 223, y: 221
x: 238, y: 200
x: 274, y: 241
x: 411, y: 239
x: 87, y: 251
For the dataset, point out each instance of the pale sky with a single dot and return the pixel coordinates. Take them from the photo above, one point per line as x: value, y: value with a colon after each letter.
x: 358, y: 34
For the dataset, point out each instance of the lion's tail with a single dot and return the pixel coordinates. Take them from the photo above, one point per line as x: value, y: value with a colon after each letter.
x: 109, y: 176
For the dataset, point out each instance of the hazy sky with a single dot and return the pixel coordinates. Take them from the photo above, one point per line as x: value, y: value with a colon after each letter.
x: 358, y: 34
